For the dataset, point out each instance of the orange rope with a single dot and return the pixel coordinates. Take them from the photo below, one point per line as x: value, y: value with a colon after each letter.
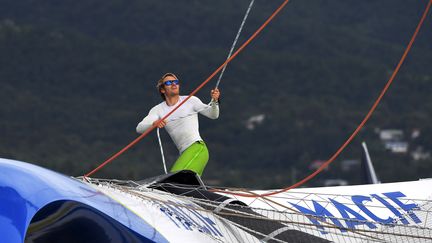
x: 193, y: 92
x: 335, y: 155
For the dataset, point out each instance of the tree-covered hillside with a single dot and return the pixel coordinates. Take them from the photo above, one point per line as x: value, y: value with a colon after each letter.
x: 77, y: 76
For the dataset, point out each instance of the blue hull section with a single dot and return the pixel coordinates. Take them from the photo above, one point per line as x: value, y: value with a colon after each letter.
x: 39, y: 205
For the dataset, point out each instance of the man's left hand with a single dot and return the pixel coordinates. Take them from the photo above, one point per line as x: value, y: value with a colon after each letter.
x: 215, y: 94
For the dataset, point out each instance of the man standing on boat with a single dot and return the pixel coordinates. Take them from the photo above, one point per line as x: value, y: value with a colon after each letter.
x: 182, y: 125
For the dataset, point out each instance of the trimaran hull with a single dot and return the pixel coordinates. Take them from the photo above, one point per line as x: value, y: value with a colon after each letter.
x: 39, y: 205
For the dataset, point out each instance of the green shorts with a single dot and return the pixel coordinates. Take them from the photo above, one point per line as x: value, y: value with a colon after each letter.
x: 194, y: 158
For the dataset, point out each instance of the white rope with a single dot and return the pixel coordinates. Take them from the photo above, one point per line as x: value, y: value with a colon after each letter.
x: 160, y: 140
x: 235, y: 41
x: 223, y: 204
x: 273, y: 234
x: 161, y: 149
x: 229, y: 55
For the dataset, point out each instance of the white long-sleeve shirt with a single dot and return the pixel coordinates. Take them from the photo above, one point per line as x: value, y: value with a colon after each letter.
x: 182, y: 125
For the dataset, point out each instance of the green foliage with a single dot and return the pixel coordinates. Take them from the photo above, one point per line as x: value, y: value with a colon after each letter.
x: 77, y: 76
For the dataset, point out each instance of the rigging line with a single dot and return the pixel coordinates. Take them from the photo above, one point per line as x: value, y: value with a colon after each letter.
x: 145, y: 133
x: 235, y: 41
x: 229, y: 55
x: 161, y: 150
x: 357, y: 130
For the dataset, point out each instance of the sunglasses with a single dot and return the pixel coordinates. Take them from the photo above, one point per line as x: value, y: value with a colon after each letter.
x: 170, y: 82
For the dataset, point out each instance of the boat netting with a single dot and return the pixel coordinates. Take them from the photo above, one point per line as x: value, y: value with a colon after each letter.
x: 273, y: 221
